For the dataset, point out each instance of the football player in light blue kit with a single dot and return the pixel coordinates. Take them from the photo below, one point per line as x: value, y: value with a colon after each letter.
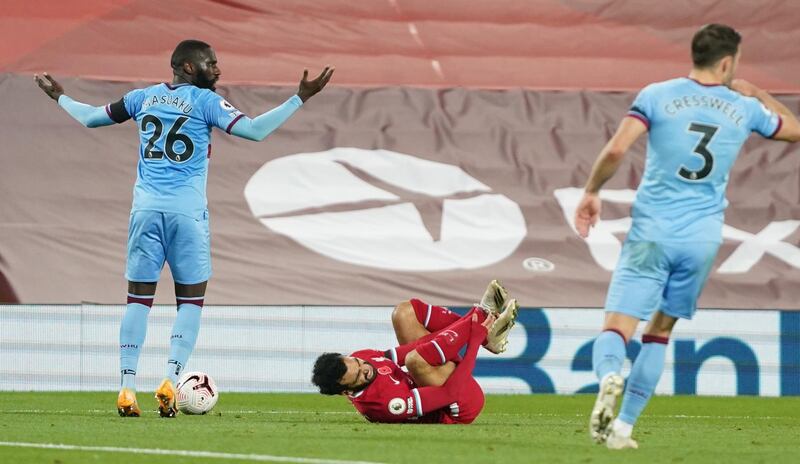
x: 696, y: 126
x: 169, y: 217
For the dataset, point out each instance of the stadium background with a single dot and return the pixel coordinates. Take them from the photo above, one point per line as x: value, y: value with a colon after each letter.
x: 455, y: 136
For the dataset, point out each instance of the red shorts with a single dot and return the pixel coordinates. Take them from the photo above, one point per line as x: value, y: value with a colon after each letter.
x: 463, y: 411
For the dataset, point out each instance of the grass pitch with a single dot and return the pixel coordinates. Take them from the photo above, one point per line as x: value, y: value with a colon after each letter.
x: 314, y: 429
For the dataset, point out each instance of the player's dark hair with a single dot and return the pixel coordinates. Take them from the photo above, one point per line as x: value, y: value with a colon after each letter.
x: 328, y: 369
x: 187, y: 51
x: 712, y: 43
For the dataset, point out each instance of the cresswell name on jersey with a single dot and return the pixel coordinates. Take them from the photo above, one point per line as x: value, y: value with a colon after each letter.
x: 725, y: 107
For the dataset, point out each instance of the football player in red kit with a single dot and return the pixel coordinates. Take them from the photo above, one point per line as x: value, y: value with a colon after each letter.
x: 438, y: 387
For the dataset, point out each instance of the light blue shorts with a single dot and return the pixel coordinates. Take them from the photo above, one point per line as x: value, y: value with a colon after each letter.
x: 182, y: 241
x: 654, y: 276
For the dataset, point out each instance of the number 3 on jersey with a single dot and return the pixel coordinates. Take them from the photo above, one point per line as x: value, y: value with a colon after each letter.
x: 701, y: 149
x: 173, y: 137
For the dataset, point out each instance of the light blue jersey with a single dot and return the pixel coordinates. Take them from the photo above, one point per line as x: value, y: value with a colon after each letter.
x: 175, y: 129
x: 695, y: 134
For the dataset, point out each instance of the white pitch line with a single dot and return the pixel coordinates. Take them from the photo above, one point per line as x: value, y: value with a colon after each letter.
x: 668, y: 416
x: 187, y: 453
x: 354, y: 413
x: 111, y: 411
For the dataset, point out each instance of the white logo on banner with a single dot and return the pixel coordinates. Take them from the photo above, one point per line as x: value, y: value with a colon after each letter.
x: 478, y: 227
x: 538, y: 265
x: 605, y: 247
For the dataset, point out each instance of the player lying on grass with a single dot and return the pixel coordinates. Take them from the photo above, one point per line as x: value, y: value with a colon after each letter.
x: 438, y: 387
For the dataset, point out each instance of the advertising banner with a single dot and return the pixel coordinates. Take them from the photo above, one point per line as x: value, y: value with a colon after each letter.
x: 272, y: 349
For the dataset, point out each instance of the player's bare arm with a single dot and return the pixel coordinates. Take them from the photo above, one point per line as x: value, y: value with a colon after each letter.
x: 260, y: 127
x: 790, y: 127
x: 87, y: 115
x: 588, y: 212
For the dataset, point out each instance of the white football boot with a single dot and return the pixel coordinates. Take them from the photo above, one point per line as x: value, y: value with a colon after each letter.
x: 497, y: 338
x: 619, y: 441
x: 494, y: 298
x: 611, y: 388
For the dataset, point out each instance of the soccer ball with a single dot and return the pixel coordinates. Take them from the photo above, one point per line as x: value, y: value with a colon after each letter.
x: 197, y: 393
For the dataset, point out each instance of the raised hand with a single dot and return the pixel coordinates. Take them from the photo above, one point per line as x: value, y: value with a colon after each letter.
x: 310, y: 88
x: 744, y: 87
x: 49, y: 85
x: 480, y: 329
x: 587, y: 213
x: 489, y: 321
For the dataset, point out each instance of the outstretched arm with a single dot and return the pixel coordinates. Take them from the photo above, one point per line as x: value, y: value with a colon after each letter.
x: 89, y: 116
x: 261, y: 126
x: 789, y: 130
x: 608, y: 161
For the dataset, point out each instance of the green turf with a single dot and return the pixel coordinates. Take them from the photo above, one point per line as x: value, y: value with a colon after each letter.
x: 512, y: 429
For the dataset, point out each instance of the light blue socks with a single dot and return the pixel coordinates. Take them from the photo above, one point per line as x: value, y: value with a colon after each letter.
x: 608, y: 354
x: 132, y: 332
x: 184, y: 336
x: 644, y: 377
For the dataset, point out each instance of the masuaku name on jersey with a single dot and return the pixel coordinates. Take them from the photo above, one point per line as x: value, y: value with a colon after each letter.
x: 165, y: 99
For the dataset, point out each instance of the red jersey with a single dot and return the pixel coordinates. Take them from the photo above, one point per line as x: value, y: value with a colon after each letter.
x: 392, y: 396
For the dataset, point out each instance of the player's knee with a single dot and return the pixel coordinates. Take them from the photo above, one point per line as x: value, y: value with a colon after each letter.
x: 142, y: 288
x: 190, y: 290
x: 401, y: 313
x: 660, y: 325
x: 622, y: 324
x: 415, y: 362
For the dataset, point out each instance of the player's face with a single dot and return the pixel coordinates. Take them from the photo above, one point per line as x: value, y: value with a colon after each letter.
x: 206, y: 70
x: 359, y: 374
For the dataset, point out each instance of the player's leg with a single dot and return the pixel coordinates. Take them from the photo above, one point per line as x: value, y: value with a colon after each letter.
x: 609, y: 348
x: 143, y: 268
x: 186, y: 327
x: 426, y: 374
x: 633, y: 295
x: 430, y: 359
x: 468, y: 405
x: 439, y: 347
x: 410, y: 319
x: 132, y: 332
x: 691, y: 265
x: 645, y: 373
x: 443, y: 345
x: 415, y: 319
x: 189, y: 258
x: 608, y: 355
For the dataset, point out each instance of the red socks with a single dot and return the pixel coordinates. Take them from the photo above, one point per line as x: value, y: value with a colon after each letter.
x: 439, y: 347
x: 433, y: 318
